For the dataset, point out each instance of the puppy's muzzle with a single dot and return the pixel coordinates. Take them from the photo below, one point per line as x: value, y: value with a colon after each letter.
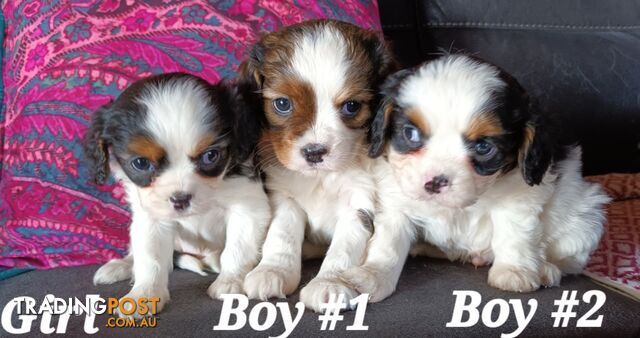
x: 180, y: 200
x: 437, y: 184
x: 313, y: 152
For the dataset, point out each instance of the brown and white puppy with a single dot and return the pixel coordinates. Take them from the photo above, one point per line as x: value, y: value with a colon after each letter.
x: 183, y: 150
x: 319, y: 81
x: 473, y: 169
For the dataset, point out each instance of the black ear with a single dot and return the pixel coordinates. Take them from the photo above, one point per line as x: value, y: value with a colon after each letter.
x: 243, y: 112
x: 537, y: 151
x: 96, y: 147
x: 250, y: 69
x: 379, y: 131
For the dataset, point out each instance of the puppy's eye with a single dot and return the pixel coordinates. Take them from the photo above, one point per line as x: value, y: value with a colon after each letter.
x: 209, y: 157
x: 142, y: 164
x: 411, y: 134
x: 484, y: 148
x: 282, y: 106
x: 350, y: 108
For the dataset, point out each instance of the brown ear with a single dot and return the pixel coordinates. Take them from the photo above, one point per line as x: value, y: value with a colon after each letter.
x: 250, y: 69
x: 95, y: 146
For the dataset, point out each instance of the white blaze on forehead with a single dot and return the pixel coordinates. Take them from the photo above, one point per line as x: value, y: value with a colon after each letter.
x: 449, y: 91
x: 177, y: 112
x: 320, y: 58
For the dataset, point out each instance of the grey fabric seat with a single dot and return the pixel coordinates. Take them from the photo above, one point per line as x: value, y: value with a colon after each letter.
x: 421, y: 306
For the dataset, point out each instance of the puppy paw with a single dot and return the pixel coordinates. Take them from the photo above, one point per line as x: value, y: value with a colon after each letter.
x: 370, y: 281
x: 225, y: 285
x: 143, y: 292
x: 320, y: 289
x: 266, y: 282
x: 513, y: 278
x: 115, y: 270
x: 550, y: 275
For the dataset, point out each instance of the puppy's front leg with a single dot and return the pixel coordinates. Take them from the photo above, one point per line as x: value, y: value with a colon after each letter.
x: 352, y: 232
x: 517, y: 248
x: 245, y: 233
x: 152, y: 251
x: 386, y: 254
x: 278, y: 273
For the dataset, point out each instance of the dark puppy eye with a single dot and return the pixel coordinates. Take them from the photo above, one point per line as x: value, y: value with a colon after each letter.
x: 142, y: 164
x: 282, y: 106
x: 209, y: 157
x: 350, y: 108
x: 484, y: 149
x: 411, y: 134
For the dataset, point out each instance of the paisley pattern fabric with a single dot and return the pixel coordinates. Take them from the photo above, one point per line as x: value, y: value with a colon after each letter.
x: 64, y: 59
x: 616, y: 262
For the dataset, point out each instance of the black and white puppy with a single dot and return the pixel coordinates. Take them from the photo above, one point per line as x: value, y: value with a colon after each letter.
x: 183, y: 149
x: 318, y: 81
x: 473, y: 170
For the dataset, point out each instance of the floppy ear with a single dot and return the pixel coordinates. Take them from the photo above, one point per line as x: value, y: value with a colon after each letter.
x: 537, y: 151
x: 379, y: 131
x: 249, y: 70
x: 384, y: 61
x: 95, y: 146
x: 242, y: 107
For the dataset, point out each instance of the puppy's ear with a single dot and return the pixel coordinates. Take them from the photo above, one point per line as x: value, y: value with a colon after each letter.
x: 384, y: 62
x: 250, y: 69
x: 242, y: 109
x: 96, y: 147
x: 379, y: 131
x: 537, y: 151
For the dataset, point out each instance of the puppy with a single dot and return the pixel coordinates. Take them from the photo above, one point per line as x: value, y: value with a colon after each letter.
x: 473, y: 170
x: 318, y: 81
x: 183, y: 150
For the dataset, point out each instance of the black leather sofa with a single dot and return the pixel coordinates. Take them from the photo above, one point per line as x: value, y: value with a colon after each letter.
x: 581, y: 59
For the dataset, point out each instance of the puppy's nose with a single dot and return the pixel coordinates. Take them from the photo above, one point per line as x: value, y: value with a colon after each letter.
x: 313, y: 152
x: 435, y: 185
x: 180, y: 200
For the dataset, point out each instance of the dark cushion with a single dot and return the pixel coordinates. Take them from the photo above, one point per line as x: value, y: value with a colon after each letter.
x: 421, y: 306
x: 579, y: 58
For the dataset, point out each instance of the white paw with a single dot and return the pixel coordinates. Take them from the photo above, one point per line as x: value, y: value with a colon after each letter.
x: 144, y: 292
x: 319, y: 291
x: 115, y: 270
x: 368, y: 280
x: 266, y: 282
x: 225, y: 285
x: 550, y: 275
x: 512, y: 278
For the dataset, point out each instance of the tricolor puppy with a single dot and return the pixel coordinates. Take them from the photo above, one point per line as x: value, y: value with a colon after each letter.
x: 183, y: 149
x: 475, y: 171
x: 318, y: 81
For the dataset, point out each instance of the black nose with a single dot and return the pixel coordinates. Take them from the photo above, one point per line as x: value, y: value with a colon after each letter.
x: 180, y: 200
x: 313, y: 152
x: 437, y: 183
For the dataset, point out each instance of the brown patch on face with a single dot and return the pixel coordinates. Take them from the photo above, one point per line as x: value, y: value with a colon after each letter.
x: 146, y: 147
x: 202, y: 145
x: 286, y: 129
x: 357, y: 92
x: 418, y: 120
x: 483, y: 125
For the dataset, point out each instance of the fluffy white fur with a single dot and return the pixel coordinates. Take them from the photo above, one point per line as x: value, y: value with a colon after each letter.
x: 221, y: 231
x: 531, y: 234
x: 326, y: 197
